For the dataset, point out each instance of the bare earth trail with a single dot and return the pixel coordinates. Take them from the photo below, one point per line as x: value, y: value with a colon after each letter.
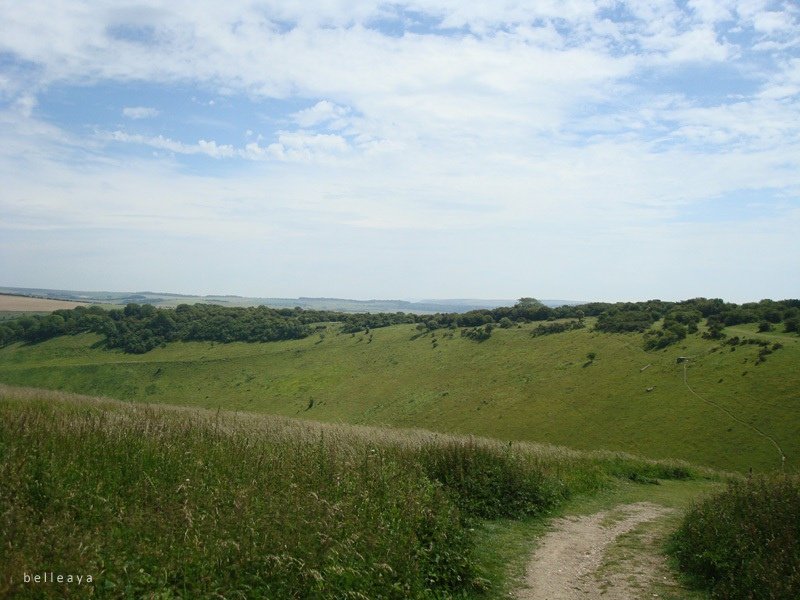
x: 610, y: 555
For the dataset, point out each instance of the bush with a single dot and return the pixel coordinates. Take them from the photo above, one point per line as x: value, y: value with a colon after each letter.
x: 745, y: 542
x: 478, y: 334
x: 551, y: 328
x: 792, y: 325
x: 624, y: 321
x: 661, y: 338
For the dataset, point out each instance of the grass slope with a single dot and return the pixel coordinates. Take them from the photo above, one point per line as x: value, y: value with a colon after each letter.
x: 512, y: 386
x: 166, y: 502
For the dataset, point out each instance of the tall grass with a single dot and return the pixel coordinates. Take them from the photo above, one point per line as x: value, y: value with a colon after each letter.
x: 491, y: 482
x: 163, y: 502
x: 149, y: 504
x: 745, y: 542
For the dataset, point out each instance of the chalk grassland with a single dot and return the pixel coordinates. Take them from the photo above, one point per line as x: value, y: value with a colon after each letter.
x: 26, y: 304
x: 512, y: 386
x: 178, y: 502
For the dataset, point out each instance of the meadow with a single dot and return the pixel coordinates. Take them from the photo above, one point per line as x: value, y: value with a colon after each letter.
x: 582, y: 388
x: 297, y: 468
x: 168, y: 502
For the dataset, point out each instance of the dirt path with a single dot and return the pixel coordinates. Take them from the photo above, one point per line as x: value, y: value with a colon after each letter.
x: 586, y: 557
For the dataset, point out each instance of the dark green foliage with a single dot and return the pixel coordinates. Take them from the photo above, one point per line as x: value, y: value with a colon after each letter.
x: 138, y: 328
x: 678, y: 323
x: 475, y: 318
x: 739, y: 315
x: 478, y: 334
x: 527, y: 309
x: 557, y: 327
x: 715, y: 328
x: 792, y: 325
x: 762, y: 354
x: 745, y: 542
x: 626, y: 320
x: 506, y: 323
x: 354, y: 323
x: 661, y: 338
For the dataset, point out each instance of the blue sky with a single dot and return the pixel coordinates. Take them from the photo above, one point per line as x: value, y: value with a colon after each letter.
x: 430, y: 148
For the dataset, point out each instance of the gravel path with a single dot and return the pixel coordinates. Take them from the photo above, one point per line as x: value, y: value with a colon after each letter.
x: 567, y: 564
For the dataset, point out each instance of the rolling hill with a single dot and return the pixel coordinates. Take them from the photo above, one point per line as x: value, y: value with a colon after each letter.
x: 722, y: 406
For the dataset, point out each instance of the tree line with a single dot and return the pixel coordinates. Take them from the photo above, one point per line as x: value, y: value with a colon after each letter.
x: 138, y: 328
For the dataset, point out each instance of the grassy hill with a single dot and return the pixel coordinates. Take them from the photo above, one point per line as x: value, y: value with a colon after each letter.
x: 512, y: 386
x: 163, y: 502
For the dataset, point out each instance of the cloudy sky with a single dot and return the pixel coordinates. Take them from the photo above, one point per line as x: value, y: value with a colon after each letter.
x: 414, y: 149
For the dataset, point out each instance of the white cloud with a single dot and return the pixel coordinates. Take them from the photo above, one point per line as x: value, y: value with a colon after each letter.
x: 25, y: 104
x: 713, y: 11
x: 140, y: 112
x: 290, y: 146
x: 771, y: 21
x: 305, y: 146
x: 536, y: 123
x: 208, y: 148
x: 323, y: 112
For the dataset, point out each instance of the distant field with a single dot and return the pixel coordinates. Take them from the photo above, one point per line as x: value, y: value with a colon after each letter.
x: 27, y: 304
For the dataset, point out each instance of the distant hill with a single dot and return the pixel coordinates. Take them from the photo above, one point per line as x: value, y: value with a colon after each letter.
x: 167, y: 299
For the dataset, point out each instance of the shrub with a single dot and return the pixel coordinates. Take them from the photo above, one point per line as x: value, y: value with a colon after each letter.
x: 551, y: 328
x: 745, y: 542
x: 661, y: 338
x: 478, y: 334
x: 791, y: 325
x: 622, y: 321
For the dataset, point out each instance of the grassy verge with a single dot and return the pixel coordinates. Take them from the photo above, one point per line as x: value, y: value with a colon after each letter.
x: 745, y: 541
x: 169, y: 502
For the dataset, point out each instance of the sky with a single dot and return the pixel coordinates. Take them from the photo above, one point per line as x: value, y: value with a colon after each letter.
x: 583, y: 150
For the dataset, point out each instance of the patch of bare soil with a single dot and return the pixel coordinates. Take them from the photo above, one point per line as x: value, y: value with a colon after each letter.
x: 579, y: 558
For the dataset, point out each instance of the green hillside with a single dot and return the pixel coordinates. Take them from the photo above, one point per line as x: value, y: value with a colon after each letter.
x: 512, y: 386
x: 165, y: 502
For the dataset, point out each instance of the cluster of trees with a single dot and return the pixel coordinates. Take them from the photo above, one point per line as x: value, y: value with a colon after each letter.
x: 683, y: 318
x: 138, y: 328
x: 478, y: 334
x: 354, y: 323
x: 557, y: 327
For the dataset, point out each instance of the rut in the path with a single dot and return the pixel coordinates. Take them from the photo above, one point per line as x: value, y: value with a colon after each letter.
x: 565, y: 565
